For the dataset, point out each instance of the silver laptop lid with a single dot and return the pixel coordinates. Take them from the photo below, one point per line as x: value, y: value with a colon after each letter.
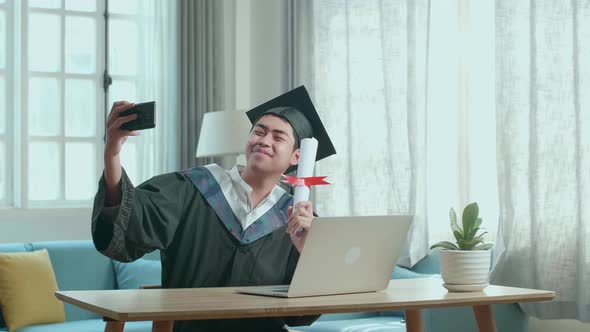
x: 349, y: 255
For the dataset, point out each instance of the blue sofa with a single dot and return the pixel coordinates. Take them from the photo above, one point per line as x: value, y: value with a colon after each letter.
x: 78, y: 266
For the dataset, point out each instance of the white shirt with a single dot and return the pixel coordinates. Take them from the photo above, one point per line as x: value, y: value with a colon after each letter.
x: 237, y: 193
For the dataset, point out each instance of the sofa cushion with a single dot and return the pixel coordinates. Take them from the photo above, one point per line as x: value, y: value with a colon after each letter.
x: 429, y: 264
x: 27, y: 286
x: 88, y: 325
x: 78, y: 266
x: 141, y: 272
x: 9, y: 247
x: 403, y: 273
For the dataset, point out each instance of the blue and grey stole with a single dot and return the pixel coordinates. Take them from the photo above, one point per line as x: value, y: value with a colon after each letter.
x: 273, y: 219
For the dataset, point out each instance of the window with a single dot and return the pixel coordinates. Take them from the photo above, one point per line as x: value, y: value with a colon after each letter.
x: 52, y: 100
x: 62, y: 113
x: 50, y: 103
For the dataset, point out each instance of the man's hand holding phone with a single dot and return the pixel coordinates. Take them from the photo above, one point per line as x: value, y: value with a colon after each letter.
x: 115, y: 135
x: 124, y: 121
x: 122, y: 115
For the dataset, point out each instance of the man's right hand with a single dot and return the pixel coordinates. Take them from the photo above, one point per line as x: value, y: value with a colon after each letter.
x: 115, y: 135
x: 115, y: 138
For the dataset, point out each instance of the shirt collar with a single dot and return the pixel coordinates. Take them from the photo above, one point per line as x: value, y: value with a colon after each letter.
x: 244, y: 187
x: 236, y: 178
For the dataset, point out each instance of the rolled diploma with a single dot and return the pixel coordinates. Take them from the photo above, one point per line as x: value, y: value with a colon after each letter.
x: 307, y: 153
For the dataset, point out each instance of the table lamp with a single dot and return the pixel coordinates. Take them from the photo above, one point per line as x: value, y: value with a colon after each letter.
x: 224, y: 134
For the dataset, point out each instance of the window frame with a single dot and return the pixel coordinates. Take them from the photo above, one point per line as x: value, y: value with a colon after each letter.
x: 8, y: 73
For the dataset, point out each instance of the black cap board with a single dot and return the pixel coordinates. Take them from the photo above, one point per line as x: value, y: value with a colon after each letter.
x: 296, y: 107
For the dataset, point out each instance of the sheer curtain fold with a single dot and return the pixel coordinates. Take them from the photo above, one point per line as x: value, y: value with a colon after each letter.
x: 543, y: 152
x: 364, y: 63
x: 203, y: 64
x: 153, y: 152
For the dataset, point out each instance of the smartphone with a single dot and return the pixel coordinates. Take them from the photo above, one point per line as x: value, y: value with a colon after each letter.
x: 146, y: 117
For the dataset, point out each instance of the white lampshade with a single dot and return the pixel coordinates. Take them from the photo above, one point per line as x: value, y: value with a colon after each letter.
x: 223, y: 133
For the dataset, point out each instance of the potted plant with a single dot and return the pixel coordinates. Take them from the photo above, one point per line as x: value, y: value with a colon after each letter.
x: 465, y: 265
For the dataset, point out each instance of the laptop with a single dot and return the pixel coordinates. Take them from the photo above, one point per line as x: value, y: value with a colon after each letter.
x: 344, y: 255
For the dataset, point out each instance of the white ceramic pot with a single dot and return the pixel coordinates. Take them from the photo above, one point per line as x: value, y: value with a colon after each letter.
x: 465, y: 267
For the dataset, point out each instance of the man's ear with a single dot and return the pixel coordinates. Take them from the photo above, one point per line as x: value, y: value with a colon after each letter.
x: 295, y: 157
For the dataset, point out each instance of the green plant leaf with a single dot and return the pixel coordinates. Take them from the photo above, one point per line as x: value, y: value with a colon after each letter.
x: 482, y: 234
x: 445, y: 245
x: 479, y: 238
x: 458, y: 236
x: 454, y: 225
x: 485, y: 246
x: 470, y: 244
x: 471, y: 235
x: 465, y: 245
x: 475, y: 228
x: 470, y: 214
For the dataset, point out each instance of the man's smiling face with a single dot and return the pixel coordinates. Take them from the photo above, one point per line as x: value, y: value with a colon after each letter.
x: 271, y: 145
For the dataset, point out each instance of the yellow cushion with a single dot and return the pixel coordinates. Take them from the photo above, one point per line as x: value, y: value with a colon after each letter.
x: 27, y: 284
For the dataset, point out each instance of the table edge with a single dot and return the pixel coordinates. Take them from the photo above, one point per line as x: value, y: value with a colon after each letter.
x: 285, y: 312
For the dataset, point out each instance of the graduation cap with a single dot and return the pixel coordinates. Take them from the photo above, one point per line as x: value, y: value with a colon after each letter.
x: 296, y: 107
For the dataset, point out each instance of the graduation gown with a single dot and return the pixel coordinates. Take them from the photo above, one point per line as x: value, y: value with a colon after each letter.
x: 186, y: 216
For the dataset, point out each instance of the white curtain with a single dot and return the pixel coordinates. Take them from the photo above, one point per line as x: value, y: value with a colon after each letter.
x: 405, y: 89
x: 155, y: 151
x: 369, y: 84
x: 543, y: 128
x: 437, y: 104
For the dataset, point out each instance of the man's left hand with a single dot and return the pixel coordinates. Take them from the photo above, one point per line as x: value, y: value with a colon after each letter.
x: 300, y: 219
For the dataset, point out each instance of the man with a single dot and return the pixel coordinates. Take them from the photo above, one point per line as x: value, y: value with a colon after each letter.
x: 213, y: 227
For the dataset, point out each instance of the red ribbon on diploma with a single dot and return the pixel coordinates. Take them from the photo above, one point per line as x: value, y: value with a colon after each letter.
x: 307, y: 181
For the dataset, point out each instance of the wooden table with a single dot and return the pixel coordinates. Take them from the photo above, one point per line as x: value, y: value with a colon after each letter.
x: 163, y: 306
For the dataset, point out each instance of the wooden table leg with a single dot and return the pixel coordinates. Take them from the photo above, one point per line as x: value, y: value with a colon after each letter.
x: 162, y: 326
x: 114, y: 326
x: 485, y: 318
x: 413, y: 321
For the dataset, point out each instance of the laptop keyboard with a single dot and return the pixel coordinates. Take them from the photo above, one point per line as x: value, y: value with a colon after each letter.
x: 282, y: 289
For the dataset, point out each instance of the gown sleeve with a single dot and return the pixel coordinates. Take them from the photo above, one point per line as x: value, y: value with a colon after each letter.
x: 146, y: 219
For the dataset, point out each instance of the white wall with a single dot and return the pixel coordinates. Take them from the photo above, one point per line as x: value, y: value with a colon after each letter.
x: 18, y: 225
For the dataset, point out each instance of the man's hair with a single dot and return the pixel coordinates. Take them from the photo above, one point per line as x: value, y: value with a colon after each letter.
x: 296, y: 137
